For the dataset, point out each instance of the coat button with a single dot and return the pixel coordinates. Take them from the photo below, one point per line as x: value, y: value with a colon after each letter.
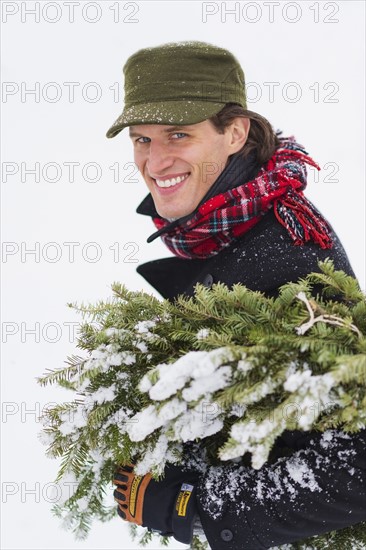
x: 208, y: 280
x: 226, y: 535
x: 213, y: 507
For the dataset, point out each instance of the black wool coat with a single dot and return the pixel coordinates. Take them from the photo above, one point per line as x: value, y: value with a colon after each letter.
x: 318, y: 483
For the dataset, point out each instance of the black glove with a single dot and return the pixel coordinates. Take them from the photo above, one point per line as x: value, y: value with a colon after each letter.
x: 167, y: 506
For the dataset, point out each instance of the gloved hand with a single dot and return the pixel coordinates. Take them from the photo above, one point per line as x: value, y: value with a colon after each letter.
x: 167, y: 506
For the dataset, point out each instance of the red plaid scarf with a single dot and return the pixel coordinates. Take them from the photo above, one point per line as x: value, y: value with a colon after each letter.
x: 227, y: 216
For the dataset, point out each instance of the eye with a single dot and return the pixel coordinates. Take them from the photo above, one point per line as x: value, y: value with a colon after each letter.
x: 142, y: 138
x: 180, y: 134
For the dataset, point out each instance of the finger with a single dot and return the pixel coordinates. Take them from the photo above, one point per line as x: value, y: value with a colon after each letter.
x: 127, y: 468
x: 119, y: 495
x: 121, y: 513
x: 120, y: 479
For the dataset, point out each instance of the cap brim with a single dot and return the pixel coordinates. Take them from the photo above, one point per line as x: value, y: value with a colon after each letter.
x: 169, y: 112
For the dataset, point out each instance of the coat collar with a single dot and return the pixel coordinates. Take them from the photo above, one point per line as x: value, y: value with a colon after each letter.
x: 147, y: 207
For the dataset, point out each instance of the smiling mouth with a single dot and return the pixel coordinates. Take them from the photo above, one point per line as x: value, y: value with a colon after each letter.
x: 171, y: 182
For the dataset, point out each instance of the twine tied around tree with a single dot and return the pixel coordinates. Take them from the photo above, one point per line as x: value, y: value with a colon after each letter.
x: 325, y: 318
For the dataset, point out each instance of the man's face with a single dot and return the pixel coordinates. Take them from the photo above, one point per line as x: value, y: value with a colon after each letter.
x: 180, y: 163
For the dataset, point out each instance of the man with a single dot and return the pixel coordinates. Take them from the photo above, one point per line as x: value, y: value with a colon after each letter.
x: 226, y: 198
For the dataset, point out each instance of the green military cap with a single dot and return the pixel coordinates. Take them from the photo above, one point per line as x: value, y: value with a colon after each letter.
x: 179, y: 83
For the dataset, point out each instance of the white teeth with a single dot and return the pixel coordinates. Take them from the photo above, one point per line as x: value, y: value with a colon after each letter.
x: 171, y: 182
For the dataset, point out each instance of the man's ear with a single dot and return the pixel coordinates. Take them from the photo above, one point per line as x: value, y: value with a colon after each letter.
x: 239, y: 131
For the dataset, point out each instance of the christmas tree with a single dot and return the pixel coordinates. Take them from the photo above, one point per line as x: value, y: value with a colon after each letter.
x: 228, y: 370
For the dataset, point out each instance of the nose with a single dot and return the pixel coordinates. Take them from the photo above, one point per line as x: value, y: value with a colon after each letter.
x: 159, y: 158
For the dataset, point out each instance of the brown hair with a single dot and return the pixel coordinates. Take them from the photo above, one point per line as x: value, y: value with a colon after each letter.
x: 261, y: 136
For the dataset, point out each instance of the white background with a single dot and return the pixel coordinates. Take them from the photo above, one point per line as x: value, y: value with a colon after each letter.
x: 318, y: 46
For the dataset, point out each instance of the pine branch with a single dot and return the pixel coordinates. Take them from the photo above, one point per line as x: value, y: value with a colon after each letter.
x: 227, y: 369
x: 75, y: 367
